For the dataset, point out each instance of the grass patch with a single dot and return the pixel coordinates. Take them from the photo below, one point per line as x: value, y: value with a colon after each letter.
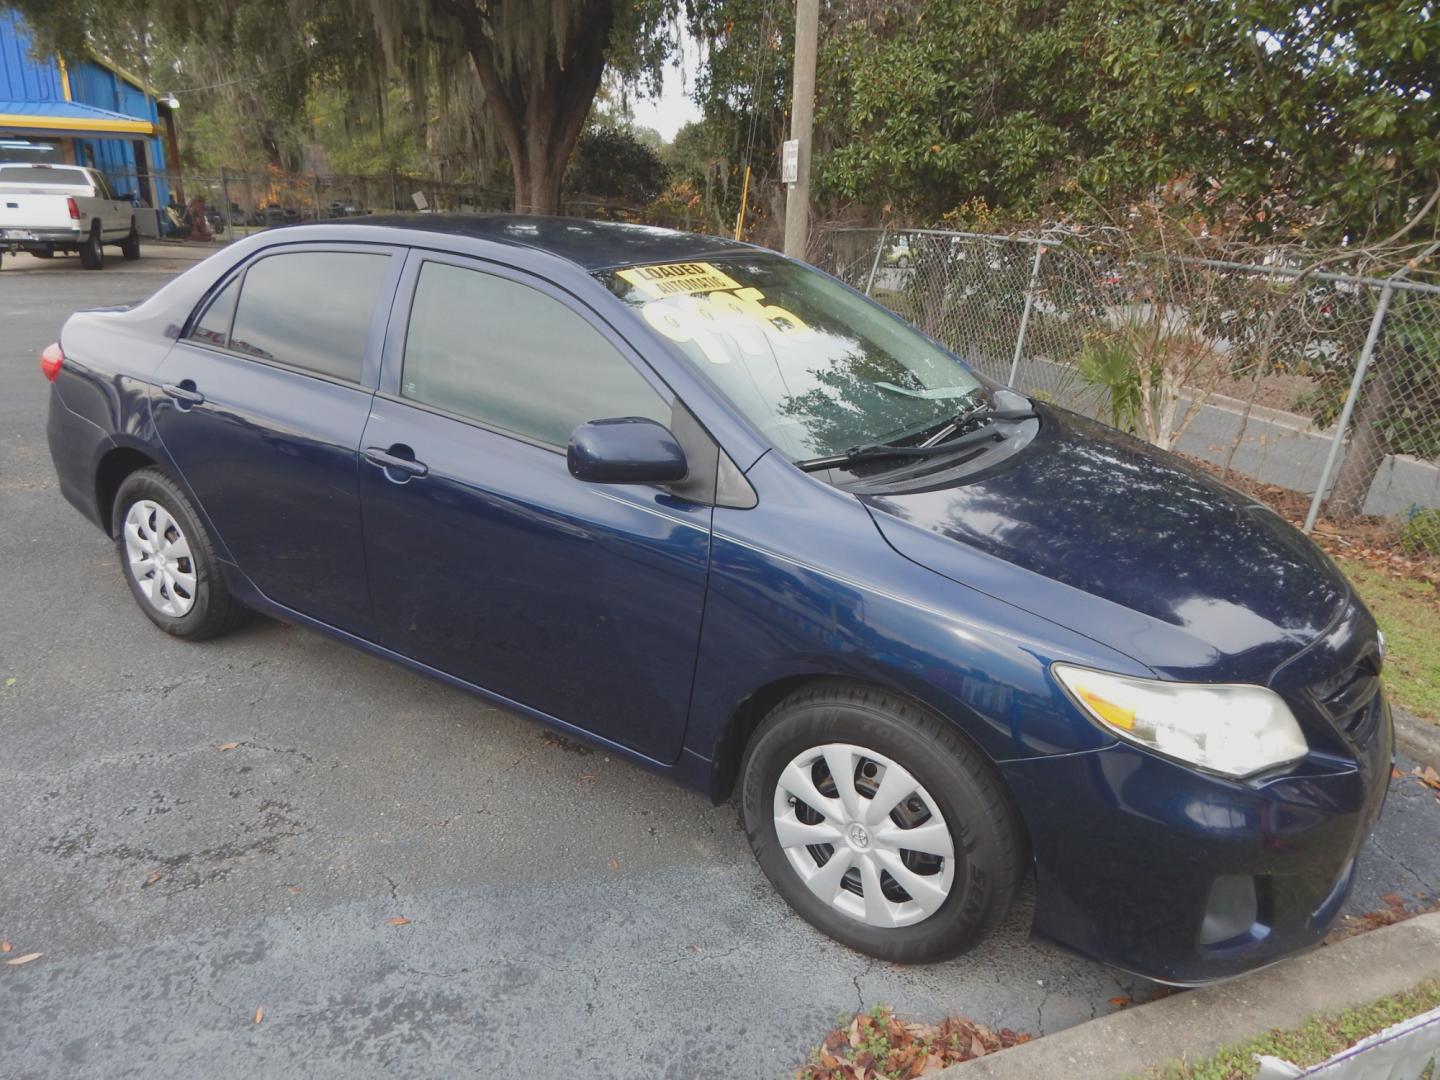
x: 1311, y: 1043
x: 1408, y: 611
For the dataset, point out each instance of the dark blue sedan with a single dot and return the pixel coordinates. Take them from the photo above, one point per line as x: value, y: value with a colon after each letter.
x: 713, y: 510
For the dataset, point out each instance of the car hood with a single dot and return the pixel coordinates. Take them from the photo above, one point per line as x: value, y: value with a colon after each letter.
x: 1130, y: 545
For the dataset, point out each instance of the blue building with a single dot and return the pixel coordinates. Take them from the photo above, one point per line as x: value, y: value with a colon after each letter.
x: 87, y: 113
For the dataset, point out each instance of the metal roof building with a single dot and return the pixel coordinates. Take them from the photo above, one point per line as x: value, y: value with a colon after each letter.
x: 88, y: 113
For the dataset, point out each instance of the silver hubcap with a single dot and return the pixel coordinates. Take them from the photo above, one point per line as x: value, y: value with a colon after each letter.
x: 160, y: 558
x: 863, y: 835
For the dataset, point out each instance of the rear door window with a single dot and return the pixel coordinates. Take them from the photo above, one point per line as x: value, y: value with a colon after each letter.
x: 310, y: 310
x: 213, y: 327
x: 514, y: 358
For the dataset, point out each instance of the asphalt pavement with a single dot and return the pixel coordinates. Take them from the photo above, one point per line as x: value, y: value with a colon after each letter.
x: 405, y: 879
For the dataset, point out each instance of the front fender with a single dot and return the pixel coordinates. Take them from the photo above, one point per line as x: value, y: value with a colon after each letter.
x: 798, y: 590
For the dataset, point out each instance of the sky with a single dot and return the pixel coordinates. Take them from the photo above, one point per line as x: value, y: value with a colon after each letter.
x: 671, y: 111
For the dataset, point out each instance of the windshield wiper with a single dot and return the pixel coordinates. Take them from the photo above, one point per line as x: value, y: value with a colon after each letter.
x: 944, y: 441
x: 982, y: 414
x: 873, y: 451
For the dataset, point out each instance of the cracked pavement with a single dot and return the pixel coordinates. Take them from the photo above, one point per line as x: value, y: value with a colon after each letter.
x: 569, y: 914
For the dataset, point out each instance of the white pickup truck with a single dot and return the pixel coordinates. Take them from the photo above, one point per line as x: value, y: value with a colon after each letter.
x: 50, y: 208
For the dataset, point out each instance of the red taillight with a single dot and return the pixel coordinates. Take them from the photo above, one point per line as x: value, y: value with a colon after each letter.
x: 50, y: 360
x: 74, y: 208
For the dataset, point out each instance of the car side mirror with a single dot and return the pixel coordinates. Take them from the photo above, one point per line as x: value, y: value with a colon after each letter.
x: 625, y: 450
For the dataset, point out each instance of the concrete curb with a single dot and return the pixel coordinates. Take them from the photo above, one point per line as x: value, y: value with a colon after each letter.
x: 1195, y: 1024
x: 1418, y: 738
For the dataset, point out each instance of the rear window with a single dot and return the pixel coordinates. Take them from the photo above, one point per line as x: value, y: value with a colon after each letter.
x: 38, y: 175
x: 309, y: 310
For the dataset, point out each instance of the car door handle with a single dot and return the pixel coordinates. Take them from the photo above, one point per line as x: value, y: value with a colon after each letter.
x: 386, y: 460
x: 184, y: 394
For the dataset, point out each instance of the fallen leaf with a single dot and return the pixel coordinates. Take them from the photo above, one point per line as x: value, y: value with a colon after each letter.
x: 1430, y: 778
x: 398, y: 920
x: 586, y: 777
x: 260, y: 1014
x: 10, y: 681
x: 152, y: 877
x: 614, y: 864
x: 854, y: 1032
x: 1120, y: 1001
x: 1395, y: 773
x: 24, y: 959
x: 293, y: 888
x: 224, y: 746
x: 5, y: 946
x: 1392, y: 899
x: 695, y: 948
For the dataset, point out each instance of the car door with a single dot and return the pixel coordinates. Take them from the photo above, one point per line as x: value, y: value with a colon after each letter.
x: 115, y: 215
x: 487, y: 559
x: 260, y: 406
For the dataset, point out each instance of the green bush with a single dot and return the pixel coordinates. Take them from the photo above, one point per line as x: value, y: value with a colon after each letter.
x: 1421, y: 534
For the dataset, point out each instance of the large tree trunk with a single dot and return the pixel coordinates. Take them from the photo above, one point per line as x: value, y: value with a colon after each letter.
x: 539, y: 107
x: 1366, y: 450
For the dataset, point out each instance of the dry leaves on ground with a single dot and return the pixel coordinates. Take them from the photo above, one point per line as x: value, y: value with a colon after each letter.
x: 398, y: 920
x: 877, y: 1045
x: 224, y: 746
x: 5, y: 946
x: 24, y: 959
x: 1427, y: 776
x: 259, y: 1014
x: 1394, y: 911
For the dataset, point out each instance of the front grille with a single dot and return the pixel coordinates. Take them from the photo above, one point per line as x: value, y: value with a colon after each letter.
x: 1347, y: 696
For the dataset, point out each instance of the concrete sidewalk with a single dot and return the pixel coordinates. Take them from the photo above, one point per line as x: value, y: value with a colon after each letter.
x: 1195, y: 1024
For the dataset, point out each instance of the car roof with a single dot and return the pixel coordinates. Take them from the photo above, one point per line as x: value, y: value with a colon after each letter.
x: 592, y: 245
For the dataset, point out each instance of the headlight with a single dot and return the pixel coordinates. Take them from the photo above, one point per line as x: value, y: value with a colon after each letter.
x: 1235, y: 729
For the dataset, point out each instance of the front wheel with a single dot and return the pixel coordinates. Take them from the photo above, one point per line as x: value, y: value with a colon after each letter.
x: 169, y: 559
x: 130, y: 246
x: 880, y: 824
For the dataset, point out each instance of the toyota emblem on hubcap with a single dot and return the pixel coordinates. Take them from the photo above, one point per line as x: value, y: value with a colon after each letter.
x: 858, y: 836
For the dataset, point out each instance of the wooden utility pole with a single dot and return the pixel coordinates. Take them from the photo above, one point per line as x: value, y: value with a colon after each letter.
x: 802, y: 124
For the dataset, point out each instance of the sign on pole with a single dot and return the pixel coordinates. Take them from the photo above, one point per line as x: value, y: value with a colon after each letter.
x: 790, y: 161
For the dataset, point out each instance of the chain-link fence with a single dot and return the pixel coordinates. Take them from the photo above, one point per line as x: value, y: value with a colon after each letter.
x: 1266, y: 362
x: 232, y: 203
x: 236, y: 203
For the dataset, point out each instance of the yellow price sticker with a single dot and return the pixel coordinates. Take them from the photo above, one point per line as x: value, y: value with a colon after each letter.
x: 677, y: 279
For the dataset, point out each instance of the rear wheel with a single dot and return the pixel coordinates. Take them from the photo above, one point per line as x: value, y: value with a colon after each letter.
x: 169, y: 559
x: 92, y: 252
x: 130, y: 246
x: 880, y: 824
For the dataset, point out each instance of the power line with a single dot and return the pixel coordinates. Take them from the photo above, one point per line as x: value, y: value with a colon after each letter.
x: 246, y: 79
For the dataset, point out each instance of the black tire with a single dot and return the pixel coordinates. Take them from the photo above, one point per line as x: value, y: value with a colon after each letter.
x: 214, y: 610
x: 92, y: 252
x: 991, y: 853
x: 130, y: 246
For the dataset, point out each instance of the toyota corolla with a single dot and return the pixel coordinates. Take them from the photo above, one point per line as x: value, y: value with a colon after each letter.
x: 717, y: 512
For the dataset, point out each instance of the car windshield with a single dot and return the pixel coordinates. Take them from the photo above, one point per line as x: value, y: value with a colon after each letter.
x: 816, y: 368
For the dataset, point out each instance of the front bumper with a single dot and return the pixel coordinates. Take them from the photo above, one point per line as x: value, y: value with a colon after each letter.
x: 1129, y: 848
